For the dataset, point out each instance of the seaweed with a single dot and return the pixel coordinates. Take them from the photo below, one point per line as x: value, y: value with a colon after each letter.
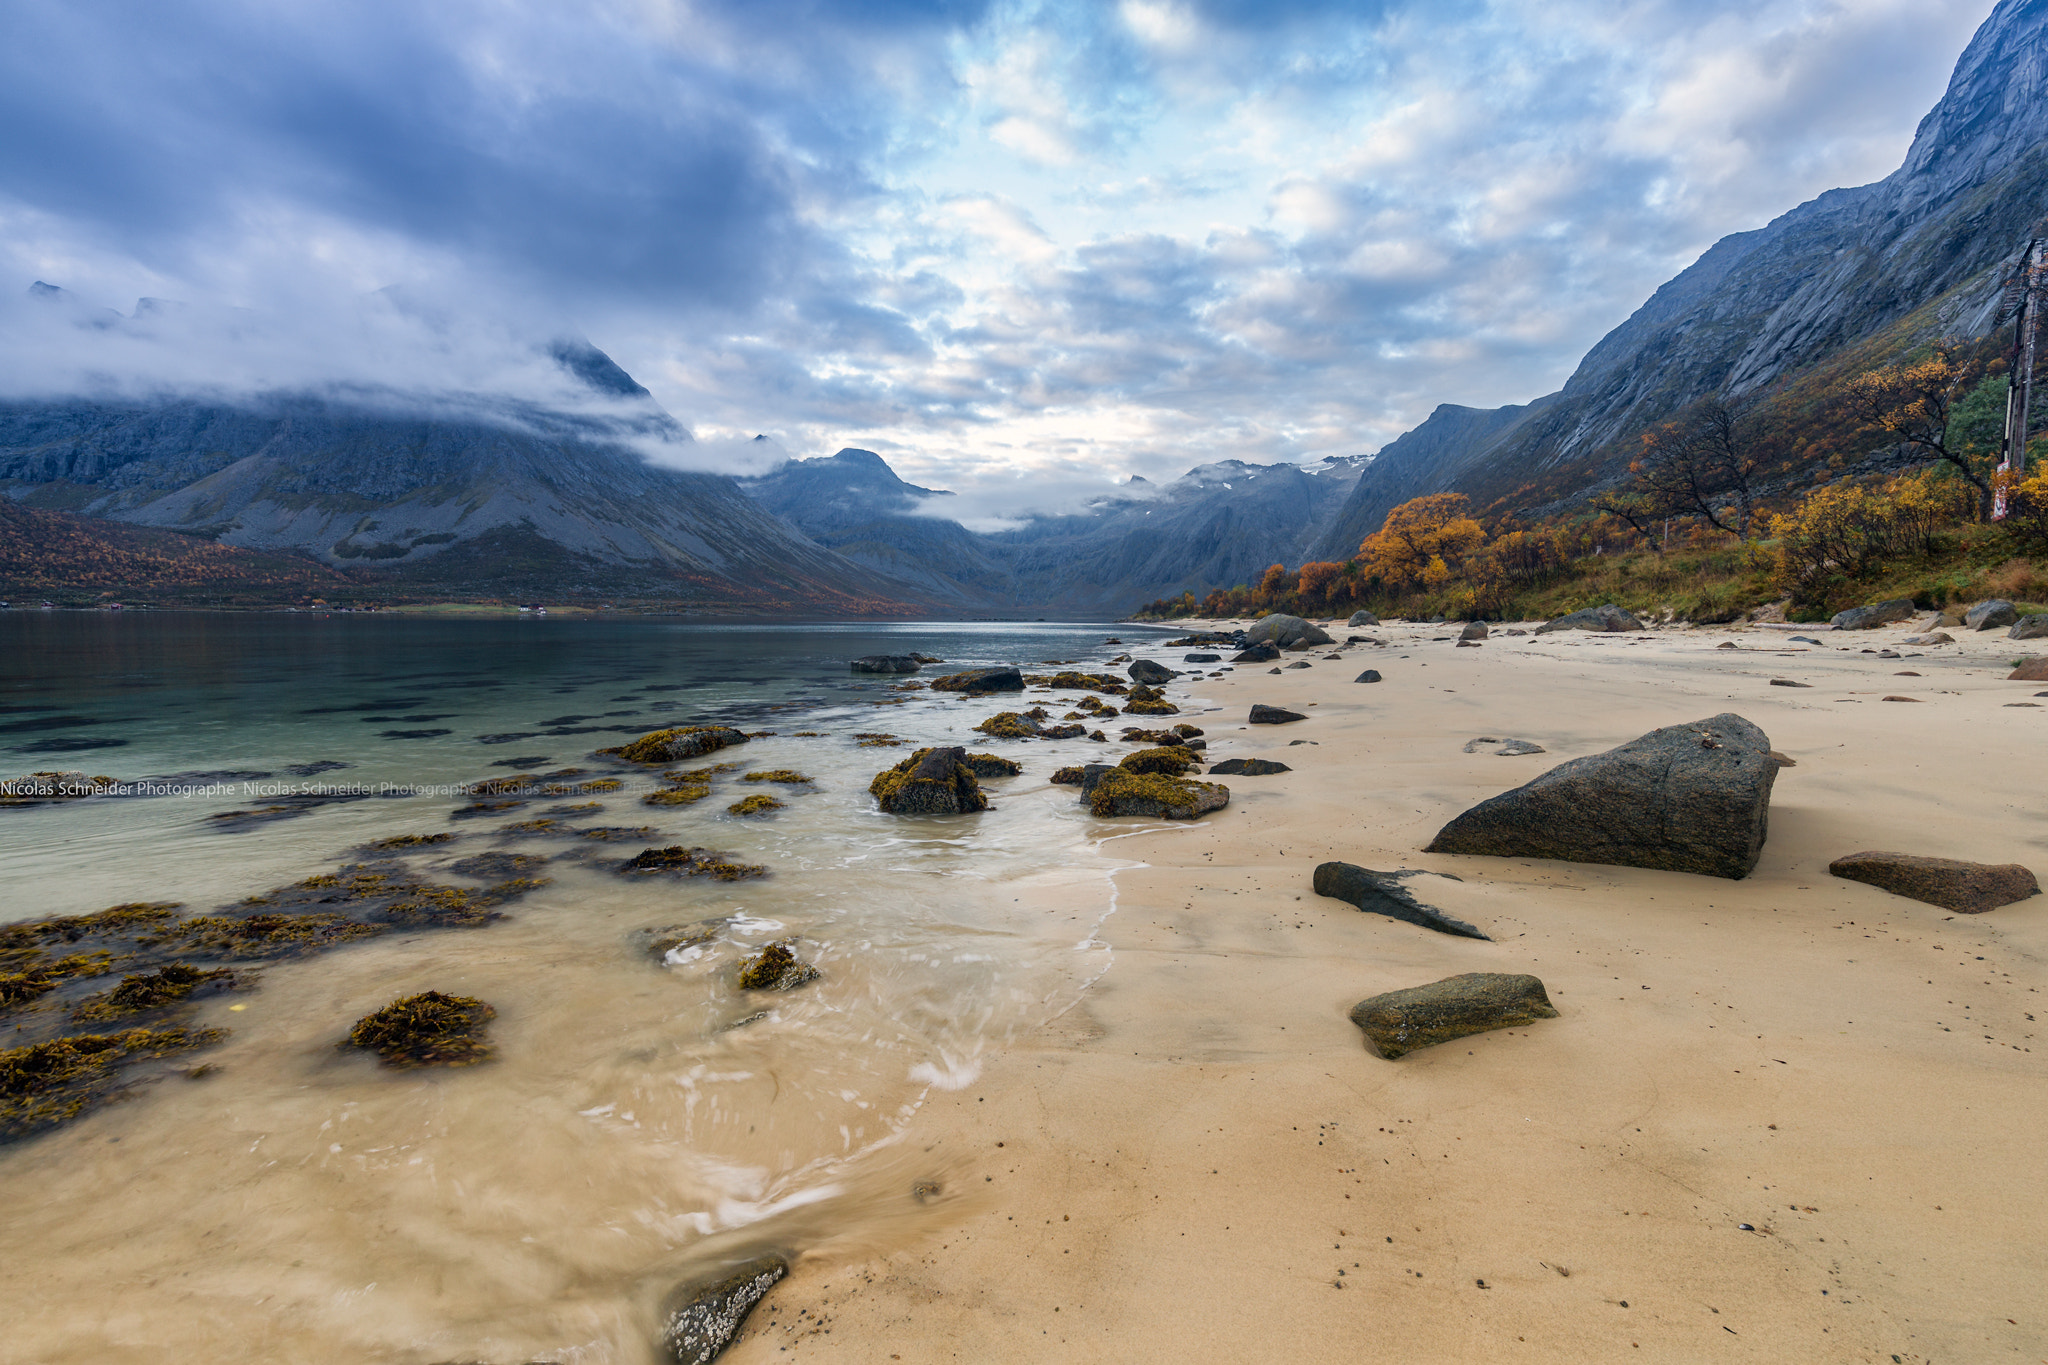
x: 685, y: 741
x: 689, y: 862
x: 788, y: 776
x: 47, y: 1083
x: 160, y: 989
x: 993, y: 765
x: 1068, y: 777
x: 1171, y: 762
x: 758, y: 804
x: 428, y: 1029
x: 1009, y: 725
x: 676, y: 796
x: 400, y: 842
x: 270, y: 936
x: 775, y: 968
x: 488, y: 866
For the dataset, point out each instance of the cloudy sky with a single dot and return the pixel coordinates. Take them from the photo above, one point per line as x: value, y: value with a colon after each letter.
x: 1016, y: 247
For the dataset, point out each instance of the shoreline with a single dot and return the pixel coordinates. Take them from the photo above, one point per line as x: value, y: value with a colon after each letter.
x: 1191, y: 1154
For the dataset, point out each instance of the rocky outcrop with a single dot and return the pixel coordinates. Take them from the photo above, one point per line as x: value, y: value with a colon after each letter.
x: 884, y: 663
x: 1966, y: 888
x: 1381, y: 893
x: 1686, y: 798
x: 975, y: 681
x: 1150, y: 674
x: 1249, y: 767
x: 1608, y: 618
x: 1118, y: 791
x: 703, y: 1316
x: 687, y: 741
x: 1274, y: 715
x: 1873, y: 615
x: 930, y: 782
x: 1400, y: 1022
x: 1286, y: 631
x: 1992, y: 614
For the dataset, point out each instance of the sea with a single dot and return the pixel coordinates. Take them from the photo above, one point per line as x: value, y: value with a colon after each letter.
x: 642, y: 1118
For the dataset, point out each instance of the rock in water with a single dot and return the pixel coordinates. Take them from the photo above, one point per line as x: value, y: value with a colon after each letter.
x: 1370, y: 675
x: 688, y: 741
x: 1150, y: 674
x: 1263, y: 652
x: 1009, y: 679
x: 1686, y: 798
x: 1990, y: 614
x: 884, y: 663
x: 702, y: 1318
x: 1609, y: 617
x: 2033, y: 627
x: 1381, y: 893
x: 1474, y: 630
x: 2033, y: 670
x: 1362, y: 618
x: 1399, y: 1022
x: 1967, y: 888
x: 1286, y: 632
x: 1118, y: 791
x: 1249, y: 767
x: 930, y: 782
x: 1274, y: 715
x: 1874, y: 615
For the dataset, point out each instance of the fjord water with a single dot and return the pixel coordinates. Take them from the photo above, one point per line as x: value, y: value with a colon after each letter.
x: 643, y: 1116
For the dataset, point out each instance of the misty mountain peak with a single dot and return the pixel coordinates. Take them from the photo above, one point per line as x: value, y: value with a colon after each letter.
x: 595, y: 368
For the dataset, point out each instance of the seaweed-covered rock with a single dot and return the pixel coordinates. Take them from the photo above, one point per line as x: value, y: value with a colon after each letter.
x: 1118, y: 791
x: 992, y: 765
x: 1286, y: 632
x: 1249, y: 767
x: 1990, y: 614
x: 681, y: 861
x: 428, y: 1029
x: 1873, y: 615
x: 1149, y: 701
x: 1010, y: 725
x: 147, y: 992
x: 701, y: 1318
x: 1686, y: 798
x: 1381, y: 893
x: 759, y: 803
x: 775, y: 968
x: 1071, y: 776
x: 1008, y: 678
x: 687, y: 741
x: 788, y: 777
x: 1607, y: 618
x: 1400, y: 1022
x: 934, y: 781
x: 1274, y: 715
x: 1173, y: 761
x: 1966, y: 888
x: 1261, y: 653
x: 1149, y: 673
x: 884, y: 663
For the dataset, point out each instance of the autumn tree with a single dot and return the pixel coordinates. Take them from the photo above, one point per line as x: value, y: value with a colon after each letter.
x: 1424, y: 540
x: 1320, y: 582
x: 1917, y: 403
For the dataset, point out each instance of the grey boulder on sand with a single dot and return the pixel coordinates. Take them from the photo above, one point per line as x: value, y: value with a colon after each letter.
x: 1286, y: 631
x: 1990, y: 614
x: 1874, y: 615
x: 1381, y: 893
x: 1966, y: 888
x: 1370, y: 675
x: 702, y: 1317
x: 1609, y: 618
x: 1399, y: 1022
x: 2033, y: 627
x: 1362, y: 618
x: 1274, y: 715
x: 1151, y: 674
x: 1474, y: 630
x: 1686, y: 798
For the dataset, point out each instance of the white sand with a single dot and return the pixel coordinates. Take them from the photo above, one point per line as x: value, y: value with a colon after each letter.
x: 1179, y: 1168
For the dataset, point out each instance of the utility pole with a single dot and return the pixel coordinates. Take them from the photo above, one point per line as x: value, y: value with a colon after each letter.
x: 2023, y: 298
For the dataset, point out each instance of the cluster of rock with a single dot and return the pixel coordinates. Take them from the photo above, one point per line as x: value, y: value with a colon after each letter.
x: 1993, y: 613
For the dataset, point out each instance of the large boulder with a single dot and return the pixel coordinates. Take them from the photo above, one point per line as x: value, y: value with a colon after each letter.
x: 1686, y: 798
x: 1274, y: 715
x: 1474, y: 630
x: 1362, y: 618
x: 884, y: 663
x: 1150, y: 674
x: 930, y: 782
x: 1119, y: 791
x: 2033, y: 670
x: 1008, y: 678
x: 1286, y: 632
x: 2033, y: 627
x: 1967, y: 888
x: 1609, y: 617
x: 1263, y: 652
x: 1399, y: 1022
x: 687, y: 741
x: 702, y: 1317
x: 1874, y: 615
x: 1381, y: 893
x: 1991, y: 614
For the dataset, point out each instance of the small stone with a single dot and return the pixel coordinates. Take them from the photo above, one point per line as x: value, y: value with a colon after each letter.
x: 1938, y: 637
x: 1400, y: 1022
x: 1249, y: 767
x: 1905, y: 699
x: 1967, y: 888
x: 1727, y: 644
x: 1301, y: 663
x: 1787, y: 682
x: 1371, y: 675
x: 703, y: 1317
x: 1274, y: 715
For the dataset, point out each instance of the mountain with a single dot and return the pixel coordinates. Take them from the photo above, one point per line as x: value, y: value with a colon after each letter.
x: 59, y: 555
x: 493, y: 497
x: 1215, y: 526
x: 1924, y: 249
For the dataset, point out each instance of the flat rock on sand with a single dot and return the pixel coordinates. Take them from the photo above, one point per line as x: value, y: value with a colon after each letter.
x: 702, y: 1317
x: 1274, y: 715
x: 1250, y: 767
x: 1967, y: 888
x: 1381, y: 893
x: 1686, y: 798
x: 1400, y: 1022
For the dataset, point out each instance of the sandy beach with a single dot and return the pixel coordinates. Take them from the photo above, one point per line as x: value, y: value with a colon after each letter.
x: 1201, y: 1160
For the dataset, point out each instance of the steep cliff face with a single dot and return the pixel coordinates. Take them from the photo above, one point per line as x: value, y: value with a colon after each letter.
x: 1760, y: 306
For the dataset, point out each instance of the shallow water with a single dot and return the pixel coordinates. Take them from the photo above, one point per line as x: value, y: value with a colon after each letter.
x: 643, y: 1116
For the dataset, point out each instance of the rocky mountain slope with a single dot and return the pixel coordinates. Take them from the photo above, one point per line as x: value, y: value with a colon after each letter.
x: 1937, y: 234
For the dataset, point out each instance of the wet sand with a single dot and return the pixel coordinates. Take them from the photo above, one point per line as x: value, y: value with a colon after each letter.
x: 1200, y: 1160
